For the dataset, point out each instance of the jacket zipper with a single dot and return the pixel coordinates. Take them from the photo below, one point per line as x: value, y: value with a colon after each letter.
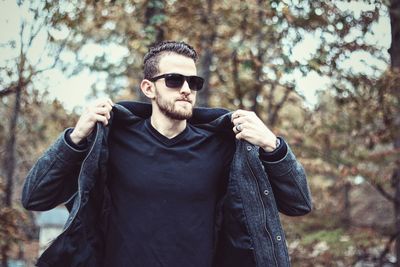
x: 79, y: 188
x: 262, y: 203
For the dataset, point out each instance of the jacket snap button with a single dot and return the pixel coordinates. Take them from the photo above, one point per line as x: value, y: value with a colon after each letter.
x: 266, y: 192
x: 278, y: 237
x: 248, y: 148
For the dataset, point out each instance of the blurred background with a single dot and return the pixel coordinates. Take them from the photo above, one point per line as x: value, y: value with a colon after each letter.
x: 322, y: 74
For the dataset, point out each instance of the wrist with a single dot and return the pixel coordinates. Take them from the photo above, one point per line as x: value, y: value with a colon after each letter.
x: 75, y: 138
x: 270, y: 147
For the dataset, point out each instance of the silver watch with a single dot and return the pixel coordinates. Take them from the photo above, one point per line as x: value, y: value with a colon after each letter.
x: 277, y: 144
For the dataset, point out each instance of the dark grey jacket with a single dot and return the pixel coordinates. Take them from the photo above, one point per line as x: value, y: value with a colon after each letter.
x: 248, y: 228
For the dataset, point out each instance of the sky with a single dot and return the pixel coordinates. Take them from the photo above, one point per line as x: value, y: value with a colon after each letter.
x: 73, y: 91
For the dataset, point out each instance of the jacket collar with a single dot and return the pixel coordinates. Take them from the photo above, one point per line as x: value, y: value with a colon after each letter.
x: 212, y: 119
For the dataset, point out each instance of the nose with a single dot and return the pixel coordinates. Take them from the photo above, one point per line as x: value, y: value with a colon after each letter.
x: 185, y: 89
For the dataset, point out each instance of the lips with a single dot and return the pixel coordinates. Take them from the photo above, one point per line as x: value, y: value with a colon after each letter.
x: 185, y: 100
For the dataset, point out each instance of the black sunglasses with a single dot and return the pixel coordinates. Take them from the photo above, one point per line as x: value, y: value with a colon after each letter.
x: 175, y: 80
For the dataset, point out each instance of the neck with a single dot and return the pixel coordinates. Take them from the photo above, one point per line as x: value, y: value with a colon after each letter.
x: 167, y: 126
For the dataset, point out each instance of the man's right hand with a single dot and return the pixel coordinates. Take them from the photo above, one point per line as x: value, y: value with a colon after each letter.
x: 97, y: 112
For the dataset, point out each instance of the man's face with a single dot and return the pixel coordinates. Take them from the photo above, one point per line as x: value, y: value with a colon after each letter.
x: 175, y: 103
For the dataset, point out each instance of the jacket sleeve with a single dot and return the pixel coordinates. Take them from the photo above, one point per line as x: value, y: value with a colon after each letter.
x: 54, y: 178
x: 289, y: 184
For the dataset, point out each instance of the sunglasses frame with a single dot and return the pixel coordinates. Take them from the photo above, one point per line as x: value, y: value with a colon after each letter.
x: 188, y: 79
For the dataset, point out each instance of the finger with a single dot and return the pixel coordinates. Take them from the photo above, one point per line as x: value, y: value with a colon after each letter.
x: 239, y: 127
x: 99, y: 102
x: 106, y: 110
x: 239, y: 136
x: 103, y: 102
x: 239, y: 120
x: 239, y: 113
x: 110, y: 102
x: 243, y: 116
x: 235, y: 114
x: 101, y: 119
x: 95, y: 117
x: 102, y: 111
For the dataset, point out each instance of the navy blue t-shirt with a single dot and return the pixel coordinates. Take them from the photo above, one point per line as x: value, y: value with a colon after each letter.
x: 163, y: 195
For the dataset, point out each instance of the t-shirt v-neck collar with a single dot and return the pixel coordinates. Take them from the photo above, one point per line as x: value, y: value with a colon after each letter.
x: 162, y: 138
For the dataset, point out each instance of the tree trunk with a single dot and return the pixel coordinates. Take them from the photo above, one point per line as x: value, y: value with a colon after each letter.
x: 205, y: 72
x: 394, y: 51
x: 235, y: 76
x: 9, y: 166
x: 154, y: 8
x: 396, y: 177
x: 9, y: 159
x: 346, y: 204
x: 258, y: 59
x: 207, y: 43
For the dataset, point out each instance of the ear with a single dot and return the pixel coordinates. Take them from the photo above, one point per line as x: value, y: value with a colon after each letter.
x: 148, y: 88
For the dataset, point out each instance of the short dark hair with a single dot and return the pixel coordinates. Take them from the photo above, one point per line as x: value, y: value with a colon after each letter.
x: 152, y: 58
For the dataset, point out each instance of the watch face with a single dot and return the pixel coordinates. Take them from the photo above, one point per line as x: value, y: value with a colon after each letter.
x: 278, y: 142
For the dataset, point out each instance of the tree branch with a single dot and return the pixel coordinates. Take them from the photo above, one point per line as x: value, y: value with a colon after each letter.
x: 274, y: 114
x: 235, y: 76
x: 383, y: 192
x: 9, y: 90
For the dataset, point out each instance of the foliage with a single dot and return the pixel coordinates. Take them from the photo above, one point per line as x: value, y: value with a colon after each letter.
x: 10, y: 219
x: 40, y: 122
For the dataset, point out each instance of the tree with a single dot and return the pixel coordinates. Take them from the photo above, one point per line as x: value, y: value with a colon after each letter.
x: 18, y: 75
x: 357, y: 137
x: 394, y: 81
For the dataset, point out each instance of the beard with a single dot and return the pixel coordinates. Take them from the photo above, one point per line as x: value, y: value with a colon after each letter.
x: 169, y: 109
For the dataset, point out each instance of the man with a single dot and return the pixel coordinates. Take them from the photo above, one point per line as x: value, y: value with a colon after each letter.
x: 165, y: 184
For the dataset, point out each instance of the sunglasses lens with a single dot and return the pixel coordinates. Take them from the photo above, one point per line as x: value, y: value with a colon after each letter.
x: 177, y: 80
x: 195, y: 83
x: 174, y: 80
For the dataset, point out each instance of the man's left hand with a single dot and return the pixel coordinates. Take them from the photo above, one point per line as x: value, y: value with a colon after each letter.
x: 248, y: 126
